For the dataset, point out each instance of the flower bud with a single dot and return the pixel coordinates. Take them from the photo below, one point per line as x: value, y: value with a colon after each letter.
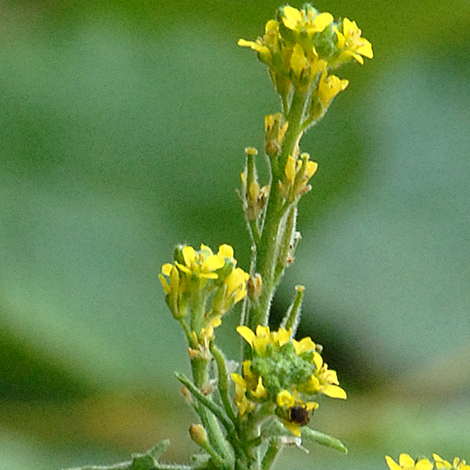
x: 254, y: 286
x: 198, y: 434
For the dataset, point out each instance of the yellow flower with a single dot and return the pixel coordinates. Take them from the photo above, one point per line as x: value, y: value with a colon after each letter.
x: 328, y: 88
x: 354, y: 45
x: 304, y: 20
x: 405, y: 462
x: 298, y: 173
x: 285, y: 399
x: 325, y: 380
x: 203, y: 263
x: 243, y: 404
x: 263, y: 337
x: 457, y: 464
x: 236, y: 284
x: 172, y: 273
x: 174, y: 288
x: 258, y: 46
x: 207, y: 333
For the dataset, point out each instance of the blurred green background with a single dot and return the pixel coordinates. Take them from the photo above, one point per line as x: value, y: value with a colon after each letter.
x: 123, y: 125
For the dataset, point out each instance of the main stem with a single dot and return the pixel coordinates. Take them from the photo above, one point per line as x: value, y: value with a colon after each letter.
x: 268, y: 246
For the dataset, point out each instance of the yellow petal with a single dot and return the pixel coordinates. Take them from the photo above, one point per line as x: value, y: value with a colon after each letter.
x: 236, y: 282
x: 247, y: 370
x: 366, y: 49
x: 213, y: 262
x: 334, y: 391
x: 183, y: 268
x: 189, y: 255
x: 226, y: 251
x: 290, y: 169
x: 272, y: 26
x: 298, y: 61
x: 406, y: 461
x: 256, y: 46
x: 341, y: 40
x: 238, y: 379
x: 392, y: 465
x: 282, y: 336
x: 215, y: 322
x: 260, y: 391
x: 424, y: 464
x: 312, y: 405
x: 291, y: 17
x: 262, y: 331
x: 349, y: 29
x: 317, y: 360
x: 304, y: 345
x: 165, y: 285
x: 441, y: 464
x: 292, y: 427
x: 358, y: 57
x: 320, y: 22
x: 329, y: 87
x: 246, y: 334
x: 311, y: 168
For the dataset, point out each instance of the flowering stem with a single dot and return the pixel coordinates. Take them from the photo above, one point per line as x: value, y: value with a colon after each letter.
x: 268, y: 246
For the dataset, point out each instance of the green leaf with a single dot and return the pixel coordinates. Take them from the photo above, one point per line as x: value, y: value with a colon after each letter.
x: 323, y: 439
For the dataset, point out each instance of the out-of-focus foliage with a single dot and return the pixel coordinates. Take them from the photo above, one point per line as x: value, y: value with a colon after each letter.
x: 123, y: 126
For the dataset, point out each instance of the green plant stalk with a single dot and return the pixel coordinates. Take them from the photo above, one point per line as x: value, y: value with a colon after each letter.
x: 268, y: 246
x: 271, y: 453
x: 292, y: 317
x: 199, y: 373
x: 209, y: 405
x: 210, y: 423
x: 223, y: 382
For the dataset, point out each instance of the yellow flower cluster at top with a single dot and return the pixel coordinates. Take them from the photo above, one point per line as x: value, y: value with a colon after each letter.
x: 300, y: 47
x: 280, y: 375
x: 405, y: 462
x: 205, y: 284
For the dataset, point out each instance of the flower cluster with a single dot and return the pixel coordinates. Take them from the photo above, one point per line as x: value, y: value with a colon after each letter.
x: 205, y: 284
x: 281, y: 374
x: 300, y: 47
x: 405, y: 462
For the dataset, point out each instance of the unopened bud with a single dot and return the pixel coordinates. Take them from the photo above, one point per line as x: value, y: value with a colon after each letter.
x: 198, y: 434
x: 178, y: 254
x: 254, y: 286
x: 272, y: 148
x: 187, y: 395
